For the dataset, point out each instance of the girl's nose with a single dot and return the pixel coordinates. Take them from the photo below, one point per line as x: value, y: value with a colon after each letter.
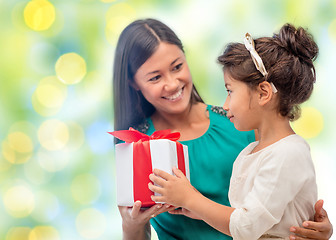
x: 226, y: 105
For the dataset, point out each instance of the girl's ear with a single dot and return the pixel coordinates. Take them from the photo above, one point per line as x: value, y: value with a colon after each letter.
x: 265, y: 93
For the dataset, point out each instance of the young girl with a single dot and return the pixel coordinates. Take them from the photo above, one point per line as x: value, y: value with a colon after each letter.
x: 273, y: 181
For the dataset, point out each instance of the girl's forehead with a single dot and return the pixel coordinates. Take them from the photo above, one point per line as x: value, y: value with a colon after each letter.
x: 228, y: 78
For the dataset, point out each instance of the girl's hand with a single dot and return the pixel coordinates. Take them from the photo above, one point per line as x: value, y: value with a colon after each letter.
x: 135, y: 222
x: 185, y: 212
x: 174, y: 190
x: 320, y: 229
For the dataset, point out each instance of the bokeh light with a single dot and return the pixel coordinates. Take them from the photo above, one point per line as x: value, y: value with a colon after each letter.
x: 332, y: 30
x: 70, y: 68
x: 57, y: 169
x: 9, y: 152
x: 44, y: 233
x: 19, y: 201
x: 39, y: 15
x: 37, y: 174
x: 108, y: 1
x: 53, y: 134
x: 310, y: 124
x: 76, y: 136
x: 20, y: 142
x: 90, y: 223
x: 49, y: 96
x: 18, y: 233
x: 85, y: 188
x: 53, y: 162
x: 117, y: 17
x: 48, y: 207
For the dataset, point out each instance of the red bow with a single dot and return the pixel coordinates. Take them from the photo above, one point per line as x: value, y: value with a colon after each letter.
x: 133, y: 135
x: 142, y: 165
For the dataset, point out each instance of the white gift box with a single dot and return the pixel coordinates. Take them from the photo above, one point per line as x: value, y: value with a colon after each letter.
x: 131, y: 174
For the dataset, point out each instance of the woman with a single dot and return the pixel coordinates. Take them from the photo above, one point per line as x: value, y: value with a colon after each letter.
x: 153, y: 90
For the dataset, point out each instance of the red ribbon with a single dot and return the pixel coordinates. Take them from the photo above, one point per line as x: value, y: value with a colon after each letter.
x: 133, y: 135
x: 142, y: 163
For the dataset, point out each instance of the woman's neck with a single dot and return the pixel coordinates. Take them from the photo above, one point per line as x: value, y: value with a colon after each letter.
x: 192, y: 123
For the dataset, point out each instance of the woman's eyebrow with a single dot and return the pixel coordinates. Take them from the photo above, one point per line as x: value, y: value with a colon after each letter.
x: 173, y: 62
x: 156, y: 71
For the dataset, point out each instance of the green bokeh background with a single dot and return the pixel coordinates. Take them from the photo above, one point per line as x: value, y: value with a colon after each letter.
x: 72, y: 189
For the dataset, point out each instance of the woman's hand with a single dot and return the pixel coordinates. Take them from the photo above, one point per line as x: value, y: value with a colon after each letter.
x: 175, y: 190
x: 185, y: 212
x: 135, y: 222
x: 321, y: 228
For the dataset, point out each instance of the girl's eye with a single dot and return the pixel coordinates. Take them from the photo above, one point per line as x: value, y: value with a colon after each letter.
x: 154, y: 78
x: 178, y: 66
x: 229, y: 92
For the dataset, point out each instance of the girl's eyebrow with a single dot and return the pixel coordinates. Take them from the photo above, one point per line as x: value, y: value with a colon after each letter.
x: 156, y: 71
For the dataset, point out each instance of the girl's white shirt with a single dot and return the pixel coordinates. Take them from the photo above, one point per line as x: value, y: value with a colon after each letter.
x: 272, y: 189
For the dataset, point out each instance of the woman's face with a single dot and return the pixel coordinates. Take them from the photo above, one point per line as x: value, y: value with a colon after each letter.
x: 165, y: 80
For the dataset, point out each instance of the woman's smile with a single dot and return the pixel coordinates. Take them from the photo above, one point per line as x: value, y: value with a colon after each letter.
x: 176, y: 96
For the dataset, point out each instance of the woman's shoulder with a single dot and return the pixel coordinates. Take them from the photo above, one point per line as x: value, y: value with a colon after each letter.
x: 217, y: 110
x: 142, y: 126
x: 220, y: 124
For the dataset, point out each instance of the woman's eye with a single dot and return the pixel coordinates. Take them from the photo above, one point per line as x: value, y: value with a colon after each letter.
x: 229, y: 91
x: 178, y: 66
x: 154, y: 78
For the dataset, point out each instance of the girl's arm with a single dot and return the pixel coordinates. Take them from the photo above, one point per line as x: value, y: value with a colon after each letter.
x: 177, y: 191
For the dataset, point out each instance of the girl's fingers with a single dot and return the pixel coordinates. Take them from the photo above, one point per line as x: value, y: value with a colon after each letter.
x: 178, y: 172
x: 162, y: 174
x: 158, y: 198
x: 157, y: 180
x: 154, y: 188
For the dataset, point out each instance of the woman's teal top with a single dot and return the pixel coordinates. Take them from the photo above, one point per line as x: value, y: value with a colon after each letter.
x: 211, y: 157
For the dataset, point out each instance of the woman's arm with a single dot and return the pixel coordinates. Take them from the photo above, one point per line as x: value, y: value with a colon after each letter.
x: 320, y: 229
x: 135, y: 222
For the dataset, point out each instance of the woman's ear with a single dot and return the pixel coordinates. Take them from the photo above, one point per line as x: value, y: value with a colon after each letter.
x: 265, y: 92
x: 135, y: 86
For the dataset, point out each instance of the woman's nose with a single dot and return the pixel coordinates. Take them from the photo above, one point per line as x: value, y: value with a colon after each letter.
x: 171, y: 82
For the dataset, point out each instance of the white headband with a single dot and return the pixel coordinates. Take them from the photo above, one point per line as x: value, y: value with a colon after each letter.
x: 249, y: 44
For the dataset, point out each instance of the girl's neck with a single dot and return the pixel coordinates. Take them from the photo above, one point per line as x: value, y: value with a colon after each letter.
x: 271, y: 131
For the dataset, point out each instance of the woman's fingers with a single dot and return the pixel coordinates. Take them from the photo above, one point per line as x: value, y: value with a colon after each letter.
x: 176, y: 211
x: 136, y: 209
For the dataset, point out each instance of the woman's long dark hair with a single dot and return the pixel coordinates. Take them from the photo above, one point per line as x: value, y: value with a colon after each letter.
x: 136, y: 44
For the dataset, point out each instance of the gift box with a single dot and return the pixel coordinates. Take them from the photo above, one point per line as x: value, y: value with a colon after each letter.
x: 139, y: 155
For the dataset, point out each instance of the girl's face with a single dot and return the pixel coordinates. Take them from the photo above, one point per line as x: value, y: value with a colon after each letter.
x: 165, y: 80
x: 240, y: 104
